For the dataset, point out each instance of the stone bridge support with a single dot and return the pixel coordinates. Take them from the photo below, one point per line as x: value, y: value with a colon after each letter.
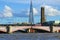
x: 51, y: 29
x: 11, y: 29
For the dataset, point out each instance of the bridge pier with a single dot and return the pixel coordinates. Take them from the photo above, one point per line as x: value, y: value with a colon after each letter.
x: 8, y: 29
x: 51, y: 28
x: 30, y: 30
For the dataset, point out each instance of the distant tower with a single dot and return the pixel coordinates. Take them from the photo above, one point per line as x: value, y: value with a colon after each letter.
x: 42, y: 15
x: 31, y: 19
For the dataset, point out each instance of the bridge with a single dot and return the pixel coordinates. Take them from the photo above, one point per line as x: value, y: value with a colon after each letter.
x: 3, y: 28
x: 15, y: 28
x: 11, y: 29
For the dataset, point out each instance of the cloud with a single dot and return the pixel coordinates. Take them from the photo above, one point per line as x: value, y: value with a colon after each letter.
x: 7, y: 12
x: 51, y: 11
x: 25, y: 13
x: 35, y: 11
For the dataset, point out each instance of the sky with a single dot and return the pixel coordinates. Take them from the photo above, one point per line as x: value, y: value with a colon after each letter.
x: 13, y: 11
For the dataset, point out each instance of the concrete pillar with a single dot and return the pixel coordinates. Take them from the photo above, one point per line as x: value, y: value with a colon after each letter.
x: 51, y: 28
x: 8, y: 29
x: 30, y: 30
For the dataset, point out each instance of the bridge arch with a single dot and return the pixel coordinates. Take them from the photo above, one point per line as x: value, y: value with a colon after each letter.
x: 41, y: 31
x: 2, y: 32
x: 38, y: 30
x: 19, y: 31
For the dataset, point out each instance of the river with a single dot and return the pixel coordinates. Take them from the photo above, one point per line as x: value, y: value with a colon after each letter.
x: 30, y: 36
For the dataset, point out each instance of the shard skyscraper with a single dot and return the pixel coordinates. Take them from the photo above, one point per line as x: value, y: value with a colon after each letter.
x: 31, y: 18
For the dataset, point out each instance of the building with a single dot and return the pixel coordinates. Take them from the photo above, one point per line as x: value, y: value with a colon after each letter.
x: 31, y: 18
x: 42, y: 15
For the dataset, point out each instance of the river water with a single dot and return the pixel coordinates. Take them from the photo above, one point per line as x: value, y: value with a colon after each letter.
x: 30, y: 36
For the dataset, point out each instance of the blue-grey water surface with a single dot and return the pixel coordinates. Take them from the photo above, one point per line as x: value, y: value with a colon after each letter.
x: 30, y: 36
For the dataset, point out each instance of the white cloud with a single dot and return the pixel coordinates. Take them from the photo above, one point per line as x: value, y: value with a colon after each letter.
x: 50, y: 11
x: 7, y: 12
x: 35, y: 11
